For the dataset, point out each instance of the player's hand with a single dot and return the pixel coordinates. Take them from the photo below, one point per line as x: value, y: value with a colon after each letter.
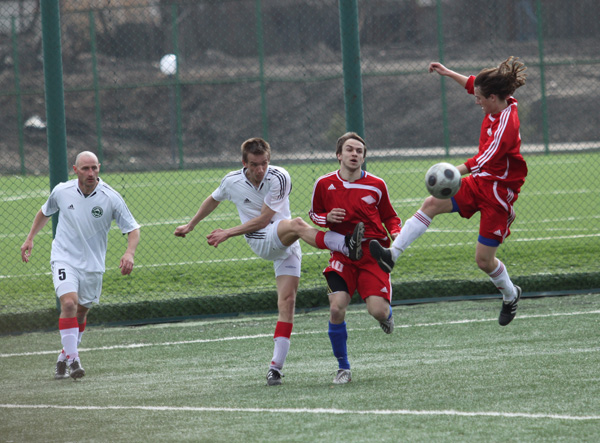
x: 182, y: 231
x: 439, y: 68
x: 26, y: 250
x: 336, y: 215
x: 216, y: 237
x: 126, y: 264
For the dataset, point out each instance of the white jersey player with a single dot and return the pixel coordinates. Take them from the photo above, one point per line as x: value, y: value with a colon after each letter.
x: 261, y: 194
x: 86, y: 207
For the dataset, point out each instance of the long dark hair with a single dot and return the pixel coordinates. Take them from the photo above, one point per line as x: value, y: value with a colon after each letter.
x: 502, y: 80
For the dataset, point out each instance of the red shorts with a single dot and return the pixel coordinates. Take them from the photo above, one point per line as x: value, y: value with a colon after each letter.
x: 493, y: 200
x: 364, y: 275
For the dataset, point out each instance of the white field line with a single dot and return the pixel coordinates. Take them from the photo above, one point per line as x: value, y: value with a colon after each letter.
x: 255, y: 336
x: 331, y: 411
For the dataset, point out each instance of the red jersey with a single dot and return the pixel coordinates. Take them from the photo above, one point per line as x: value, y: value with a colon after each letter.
x: 499, y: 157
x: 366, y: 199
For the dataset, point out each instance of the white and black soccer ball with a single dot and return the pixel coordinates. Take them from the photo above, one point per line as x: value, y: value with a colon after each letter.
x: 442, y: 180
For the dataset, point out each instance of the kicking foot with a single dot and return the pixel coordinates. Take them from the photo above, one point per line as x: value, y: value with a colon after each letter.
x: 354, y: 242
x: 382, y: 255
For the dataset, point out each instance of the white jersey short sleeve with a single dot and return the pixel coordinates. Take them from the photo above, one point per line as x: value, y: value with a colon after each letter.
x: 274, y: 190
x: 83, y: 223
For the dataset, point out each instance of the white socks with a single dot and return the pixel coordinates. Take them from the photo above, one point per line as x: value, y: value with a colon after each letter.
x: 282, y: 346
x: 335, y: 242
x: 503, y: 282
x: 68, y: 338
x: 412, y: 230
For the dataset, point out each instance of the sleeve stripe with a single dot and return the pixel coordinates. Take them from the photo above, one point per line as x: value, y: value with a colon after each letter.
x: 493, y: 147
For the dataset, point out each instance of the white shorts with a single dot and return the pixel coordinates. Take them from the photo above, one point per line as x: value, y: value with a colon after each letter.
x: 87, y: 285
x: 287, y: 260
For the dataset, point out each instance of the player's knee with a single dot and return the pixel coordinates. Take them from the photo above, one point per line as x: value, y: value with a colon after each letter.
x: 486, y: 264
x: 429, y: 205
x: 68, y: 306
x: 433, y: 206
x: 286, y: 300
x: 379, y: 312
x: 298, y: 224
x: 338, y: 313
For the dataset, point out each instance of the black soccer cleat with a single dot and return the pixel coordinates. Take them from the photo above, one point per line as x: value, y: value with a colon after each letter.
x: 509, y: 310
x: 382, y: 255
x: 76, y: 370
x: 354, y: 242
x: 274, y: 377
x: 60, y: 371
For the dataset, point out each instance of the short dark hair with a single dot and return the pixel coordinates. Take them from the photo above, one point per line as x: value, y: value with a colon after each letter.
x: 255, y: 146
x: 502, y: 80
x: 347, y: 136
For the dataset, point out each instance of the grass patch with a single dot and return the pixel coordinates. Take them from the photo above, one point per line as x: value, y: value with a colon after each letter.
x: 448, y: 372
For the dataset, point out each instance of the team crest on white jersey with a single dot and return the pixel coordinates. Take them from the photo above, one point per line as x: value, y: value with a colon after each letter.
x: 97, y: 211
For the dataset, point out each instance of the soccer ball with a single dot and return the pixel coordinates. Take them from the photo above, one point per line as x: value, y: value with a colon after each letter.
x: 442, y: 180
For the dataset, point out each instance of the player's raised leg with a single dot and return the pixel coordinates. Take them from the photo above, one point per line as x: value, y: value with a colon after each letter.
x: 414, y: 228
x: 350, y: 245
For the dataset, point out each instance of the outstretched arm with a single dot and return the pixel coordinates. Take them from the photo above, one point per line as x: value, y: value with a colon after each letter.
x: 39, y: 222
x: 442, y: 70
x: 207, y: 206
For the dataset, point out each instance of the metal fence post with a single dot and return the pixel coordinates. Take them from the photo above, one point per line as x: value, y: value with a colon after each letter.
x: 97, y: 107
x: 15, y: 48
x: 261, y: 67
x: 55, y: 100
x: 176, y: 87
x: 353, y: 98
x: 440, y: 35
x: 540, y: 36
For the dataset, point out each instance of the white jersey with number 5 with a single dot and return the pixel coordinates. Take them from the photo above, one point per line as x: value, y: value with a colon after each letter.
x: 83, y: 223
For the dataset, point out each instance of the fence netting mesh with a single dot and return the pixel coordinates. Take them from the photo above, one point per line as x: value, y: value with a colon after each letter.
x: 165, y: 92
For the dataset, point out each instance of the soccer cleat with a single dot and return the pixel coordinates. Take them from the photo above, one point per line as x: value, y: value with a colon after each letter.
x: 354, y: 242
x: 388, y: 325
x: 60, y: 372
x: 342, y: 377
x: 76, y: 370
x: 382, y: 255
x: 274, y: 377
x: 509, y: 310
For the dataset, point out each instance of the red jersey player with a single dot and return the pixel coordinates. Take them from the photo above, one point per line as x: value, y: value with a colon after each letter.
x: 341, y: 200
x: 497, y: 173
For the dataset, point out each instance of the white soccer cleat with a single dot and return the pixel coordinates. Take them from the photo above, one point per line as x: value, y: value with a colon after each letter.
x: 342, y: 377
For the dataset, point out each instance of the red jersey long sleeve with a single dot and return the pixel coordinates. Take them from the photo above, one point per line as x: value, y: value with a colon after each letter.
x: 499, y: 157
x: 366, y: 199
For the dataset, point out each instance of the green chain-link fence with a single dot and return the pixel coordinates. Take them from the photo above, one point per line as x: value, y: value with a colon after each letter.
x: 166, y: 91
